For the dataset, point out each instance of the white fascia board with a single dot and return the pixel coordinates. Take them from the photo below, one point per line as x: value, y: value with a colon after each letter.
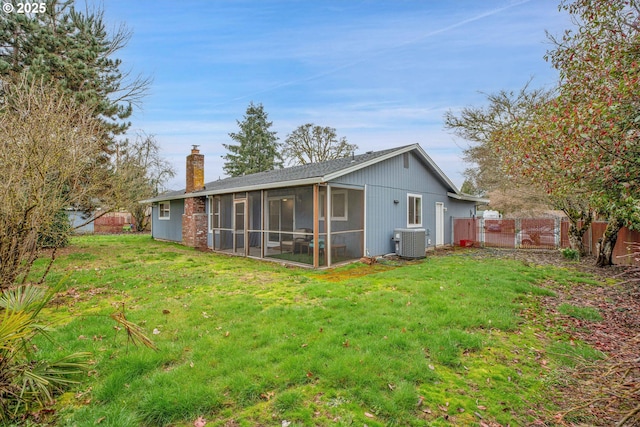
x: 467, y: 197
x: 269, y: 186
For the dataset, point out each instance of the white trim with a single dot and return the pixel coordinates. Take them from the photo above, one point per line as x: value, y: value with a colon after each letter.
x: 415, y: 196
x: 364, y: 222
x: 467, y: 197
x: 325, y: 206
x: 345, y: 217
x: 440, y: 209
x: 160, y: 211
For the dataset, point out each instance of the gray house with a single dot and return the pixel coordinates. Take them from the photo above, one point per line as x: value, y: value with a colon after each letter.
x: 319, y: 214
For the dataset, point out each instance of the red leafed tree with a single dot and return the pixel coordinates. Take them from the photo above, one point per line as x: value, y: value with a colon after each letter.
x: 586, y: 138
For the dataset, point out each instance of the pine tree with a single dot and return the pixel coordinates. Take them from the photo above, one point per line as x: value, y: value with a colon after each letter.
x: 74, y: 51
x: 257, y: 148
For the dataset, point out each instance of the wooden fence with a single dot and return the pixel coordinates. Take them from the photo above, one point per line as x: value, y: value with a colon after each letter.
x: 538, y: 233
x: 112, y: 222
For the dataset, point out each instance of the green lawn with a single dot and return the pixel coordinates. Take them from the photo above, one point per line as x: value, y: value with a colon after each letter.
x: 241, y: 342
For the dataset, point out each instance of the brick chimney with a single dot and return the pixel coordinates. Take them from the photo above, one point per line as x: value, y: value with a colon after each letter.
x: 194, y: 219
x: 195, y: 170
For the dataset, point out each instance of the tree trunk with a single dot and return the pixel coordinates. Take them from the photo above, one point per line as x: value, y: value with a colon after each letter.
x: 575, y: 239
x: 579, y: 222
x: 607, y: 242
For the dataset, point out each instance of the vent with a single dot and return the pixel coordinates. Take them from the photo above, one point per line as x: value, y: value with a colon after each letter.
x: 410, y: 242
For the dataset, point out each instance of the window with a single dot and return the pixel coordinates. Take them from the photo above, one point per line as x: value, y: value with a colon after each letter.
x: 339, y: 205
x: 164, y: 210
x: 414, y: 209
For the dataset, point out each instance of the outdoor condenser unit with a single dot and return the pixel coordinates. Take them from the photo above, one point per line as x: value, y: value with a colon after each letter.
x: 410, y: 242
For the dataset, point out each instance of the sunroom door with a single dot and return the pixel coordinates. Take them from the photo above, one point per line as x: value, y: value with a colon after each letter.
x: 280, y: 219
x: 239, y: 226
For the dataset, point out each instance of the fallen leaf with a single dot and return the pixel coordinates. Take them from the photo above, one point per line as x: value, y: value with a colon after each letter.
x: 368, y: 415
x: 226, y: 334
x: 99, y: 420
x: 482, y: 408
x: 165, y: 311
x: 432, y: 367
x: 268, y: 395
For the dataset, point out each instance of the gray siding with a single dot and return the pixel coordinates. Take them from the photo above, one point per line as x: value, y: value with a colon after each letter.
x: 76, y: 219
x: 389, y: 181
x: 168, y: 229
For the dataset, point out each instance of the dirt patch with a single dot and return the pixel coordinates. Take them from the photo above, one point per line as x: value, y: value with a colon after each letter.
x: 340, y: 275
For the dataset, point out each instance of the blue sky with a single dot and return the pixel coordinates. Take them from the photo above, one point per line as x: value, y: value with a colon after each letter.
x: 383, y: 73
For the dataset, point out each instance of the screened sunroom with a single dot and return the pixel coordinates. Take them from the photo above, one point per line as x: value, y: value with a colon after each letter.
x: 315, y: 225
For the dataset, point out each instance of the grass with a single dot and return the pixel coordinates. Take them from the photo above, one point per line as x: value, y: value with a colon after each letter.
x: 582, y: 313
x: 245, y: 342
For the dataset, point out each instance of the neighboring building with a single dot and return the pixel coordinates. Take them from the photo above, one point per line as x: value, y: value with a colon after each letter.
x: 350, y: 206
x: 109, y: 223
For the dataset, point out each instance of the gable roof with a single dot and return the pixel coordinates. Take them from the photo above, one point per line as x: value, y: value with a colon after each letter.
x: 312, y: 173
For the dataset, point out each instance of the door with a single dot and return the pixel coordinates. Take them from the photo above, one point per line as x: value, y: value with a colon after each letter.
x: 439, y: 224
x: 281, y: 219
x: 274, y: 222
x: 239, y: 226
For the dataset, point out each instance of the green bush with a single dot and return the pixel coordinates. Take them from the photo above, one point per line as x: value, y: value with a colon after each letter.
x: 57, y: 234
x: 571, y: 254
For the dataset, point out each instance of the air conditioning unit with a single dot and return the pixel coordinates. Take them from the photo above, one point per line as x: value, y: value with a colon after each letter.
x: 410, y: 242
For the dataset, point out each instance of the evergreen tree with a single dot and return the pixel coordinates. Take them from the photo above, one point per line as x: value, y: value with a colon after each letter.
x: 257, y: 148
x: 73, y: 51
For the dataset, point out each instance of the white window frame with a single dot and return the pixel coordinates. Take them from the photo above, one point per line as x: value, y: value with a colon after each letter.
x: 161, y: 211
x: 323, y: 204
x: 409, y: 202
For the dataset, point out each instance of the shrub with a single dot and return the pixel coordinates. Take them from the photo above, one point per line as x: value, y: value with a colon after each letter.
x: 571, y: 254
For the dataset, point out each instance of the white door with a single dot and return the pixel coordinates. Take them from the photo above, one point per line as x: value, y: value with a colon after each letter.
x: 439, y: 224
